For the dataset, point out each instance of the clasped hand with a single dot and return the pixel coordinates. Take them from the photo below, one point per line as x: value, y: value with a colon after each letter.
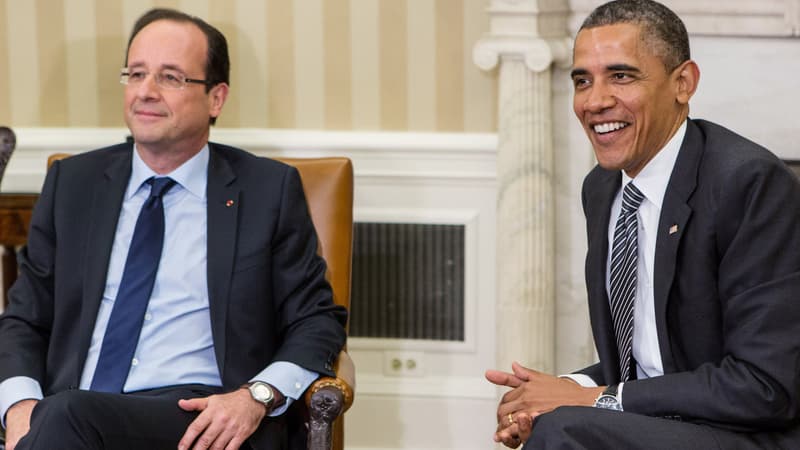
x: 532, y: 394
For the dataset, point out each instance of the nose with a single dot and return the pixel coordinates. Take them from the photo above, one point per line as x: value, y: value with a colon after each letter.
x: 598, y: 98
x: 148, y: 88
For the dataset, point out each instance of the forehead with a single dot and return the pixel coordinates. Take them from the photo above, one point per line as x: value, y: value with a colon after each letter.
x: 608, y: 44
x: 169, y: 43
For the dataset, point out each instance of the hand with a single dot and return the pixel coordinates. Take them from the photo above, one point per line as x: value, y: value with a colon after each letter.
x: 225, y: 421
x: 18, y: 422
x: 533, y: 393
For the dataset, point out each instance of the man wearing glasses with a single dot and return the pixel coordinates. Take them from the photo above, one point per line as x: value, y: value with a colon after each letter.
x: 170, y: 294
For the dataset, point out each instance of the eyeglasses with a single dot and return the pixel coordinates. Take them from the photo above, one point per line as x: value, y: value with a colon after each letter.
x: 167, y: 79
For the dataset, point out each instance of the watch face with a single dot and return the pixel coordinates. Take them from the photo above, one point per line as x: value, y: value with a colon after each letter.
x: 608, y: 402
x: 261, y: 392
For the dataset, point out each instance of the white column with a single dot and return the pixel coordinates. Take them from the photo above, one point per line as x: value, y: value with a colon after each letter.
x: 526, y: 38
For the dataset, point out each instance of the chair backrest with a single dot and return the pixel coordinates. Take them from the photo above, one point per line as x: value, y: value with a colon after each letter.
x: 328, y: 185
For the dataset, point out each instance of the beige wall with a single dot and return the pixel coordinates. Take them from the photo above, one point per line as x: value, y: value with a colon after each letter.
x: 298, y: 64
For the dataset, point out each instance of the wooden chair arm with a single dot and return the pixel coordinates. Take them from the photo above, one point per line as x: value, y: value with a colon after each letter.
x: 327, y: 399
x: 345, y: 381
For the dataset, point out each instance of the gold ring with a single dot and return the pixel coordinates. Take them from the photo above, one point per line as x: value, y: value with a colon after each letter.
x: 510, y: 419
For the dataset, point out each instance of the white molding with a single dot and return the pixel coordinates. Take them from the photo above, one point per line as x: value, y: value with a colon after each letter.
x: 760, y: 18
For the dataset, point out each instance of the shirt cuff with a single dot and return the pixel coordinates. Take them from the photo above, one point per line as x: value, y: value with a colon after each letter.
x: 289, y: 378
x: 16, y: 389
x: 583, y: 380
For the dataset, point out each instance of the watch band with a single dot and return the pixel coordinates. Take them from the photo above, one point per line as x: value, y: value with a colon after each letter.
x: 611, y: 390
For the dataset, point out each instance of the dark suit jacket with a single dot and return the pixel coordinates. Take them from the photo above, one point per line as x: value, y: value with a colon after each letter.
x: 727, y: 286
x: 268, y: 296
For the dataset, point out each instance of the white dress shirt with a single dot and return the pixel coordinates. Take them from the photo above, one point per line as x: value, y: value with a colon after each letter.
x: 652, y: 181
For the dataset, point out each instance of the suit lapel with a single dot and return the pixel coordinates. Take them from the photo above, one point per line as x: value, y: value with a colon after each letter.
x: 223, y: 214
x: 104, y: 214
x: 675, y: 215
x: 599, y: 197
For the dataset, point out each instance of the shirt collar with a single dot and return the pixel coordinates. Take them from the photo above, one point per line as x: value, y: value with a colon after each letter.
x: 653, y: 179
x: 191, y: 175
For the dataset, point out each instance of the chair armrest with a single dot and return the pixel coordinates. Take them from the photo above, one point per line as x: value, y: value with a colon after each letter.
x: 327, y: 399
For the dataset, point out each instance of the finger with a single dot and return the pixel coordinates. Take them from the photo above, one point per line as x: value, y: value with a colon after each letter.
x: 512, y: 443
x: 522, y: 372
x: 194, y: 404
x: 232, y: 434
x: 503, y: 411
x: 505, y: 420
x: 512, y: 397
x: 524, y: 426
x: 235, y: 443
x: 503, y: 378
x: 215, y: 431
x: 509, y: 437
x: 198, y: 425
x: 507, y: 433
x: 205, y: 441
x: 223, y: 439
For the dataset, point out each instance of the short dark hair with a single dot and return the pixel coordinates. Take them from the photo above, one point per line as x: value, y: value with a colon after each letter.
x: 218, y: 64
x: 662, y: 29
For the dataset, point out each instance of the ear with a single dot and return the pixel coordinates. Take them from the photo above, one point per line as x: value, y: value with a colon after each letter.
x: 216, y: 99
x: 686, y: 77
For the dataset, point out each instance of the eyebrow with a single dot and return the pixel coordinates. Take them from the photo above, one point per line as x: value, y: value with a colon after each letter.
x: 611, y: 68
x: 622, y: 68
x: 576, y: 72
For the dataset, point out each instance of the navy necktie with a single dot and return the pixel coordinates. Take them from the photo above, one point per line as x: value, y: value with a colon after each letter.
x: 138, y: 277
x: 624, y: 257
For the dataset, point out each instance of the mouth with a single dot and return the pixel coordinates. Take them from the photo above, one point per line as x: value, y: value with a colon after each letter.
x: 148, y: 113
x: 608, y: 127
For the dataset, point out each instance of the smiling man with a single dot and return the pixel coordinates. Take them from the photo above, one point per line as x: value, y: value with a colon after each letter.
x: 692, y: 270
x: 170, y: 295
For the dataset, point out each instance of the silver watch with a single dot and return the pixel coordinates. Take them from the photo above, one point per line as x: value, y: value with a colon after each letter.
x: 262, y: 393
x: 608, y: 399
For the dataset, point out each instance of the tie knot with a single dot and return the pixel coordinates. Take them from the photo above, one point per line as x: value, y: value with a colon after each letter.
x: 160, y: 186
x: 631, y: 198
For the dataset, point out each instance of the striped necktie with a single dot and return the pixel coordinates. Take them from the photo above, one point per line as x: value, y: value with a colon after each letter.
x: 624, y: 256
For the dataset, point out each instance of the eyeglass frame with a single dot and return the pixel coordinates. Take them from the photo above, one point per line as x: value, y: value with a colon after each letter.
x: 125, y: 74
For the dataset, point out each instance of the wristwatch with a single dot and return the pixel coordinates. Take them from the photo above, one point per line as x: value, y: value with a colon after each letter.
x: 262, y: 393
x: 608, y: 399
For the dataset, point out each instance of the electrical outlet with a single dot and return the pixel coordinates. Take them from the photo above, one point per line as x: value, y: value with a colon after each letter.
x: 403, y: 364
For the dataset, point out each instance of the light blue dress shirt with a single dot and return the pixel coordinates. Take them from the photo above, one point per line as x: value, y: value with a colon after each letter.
x: 175, y: 345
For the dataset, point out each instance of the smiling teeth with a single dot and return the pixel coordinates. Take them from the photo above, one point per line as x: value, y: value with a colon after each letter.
x: 608, y: 127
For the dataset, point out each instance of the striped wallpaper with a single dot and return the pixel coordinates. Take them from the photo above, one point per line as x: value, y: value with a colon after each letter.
x: 297, y: 64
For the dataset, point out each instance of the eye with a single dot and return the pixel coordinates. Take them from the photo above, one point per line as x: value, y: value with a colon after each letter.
x: 621, y: 76
x: 171, y: 77
x: 581, y: 82
x: 137, y: 75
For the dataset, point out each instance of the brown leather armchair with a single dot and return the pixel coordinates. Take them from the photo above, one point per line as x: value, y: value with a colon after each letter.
x: 328, y: 185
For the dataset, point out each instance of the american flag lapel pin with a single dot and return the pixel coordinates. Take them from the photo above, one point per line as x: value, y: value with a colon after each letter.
x: 673, y: 229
